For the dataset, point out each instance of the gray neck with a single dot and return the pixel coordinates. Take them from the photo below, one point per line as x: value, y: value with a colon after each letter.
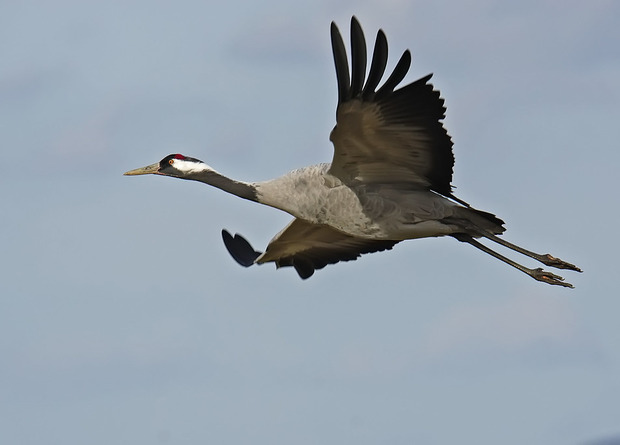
x: 241, y: 189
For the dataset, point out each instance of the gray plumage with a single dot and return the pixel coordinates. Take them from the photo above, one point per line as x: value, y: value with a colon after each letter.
x: 389, y: 180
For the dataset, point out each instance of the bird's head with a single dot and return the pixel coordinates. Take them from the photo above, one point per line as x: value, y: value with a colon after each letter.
x: 175, y: 165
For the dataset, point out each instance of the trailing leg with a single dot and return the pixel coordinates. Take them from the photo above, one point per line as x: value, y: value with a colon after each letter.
x: 546, y: 259
x: 538, y: 274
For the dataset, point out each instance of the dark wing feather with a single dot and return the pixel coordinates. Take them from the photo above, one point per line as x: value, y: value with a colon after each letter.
x: 400, y: 71
x: 358, y: 59
x: 308, y: 247
x: 389, y: 135
x: 342, y: 64
x: 240, y: 249
x: 377, y: 67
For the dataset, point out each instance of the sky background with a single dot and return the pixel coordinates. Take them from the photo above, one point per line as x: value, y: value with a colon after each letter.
x: 123, y: 320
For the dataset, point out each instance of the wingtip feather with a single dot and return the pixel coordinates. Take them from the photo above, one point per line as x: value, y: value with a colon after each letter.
x: 341, y: 63
x: 240, y: 249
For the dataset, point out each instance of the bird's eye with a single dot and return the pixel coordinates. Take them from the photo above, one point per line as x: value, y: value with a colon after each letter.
x: 171, y: 161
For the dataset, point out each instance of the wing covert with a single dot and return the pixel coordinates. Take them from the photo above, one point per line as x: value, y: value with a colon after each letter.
x: 308, y: 247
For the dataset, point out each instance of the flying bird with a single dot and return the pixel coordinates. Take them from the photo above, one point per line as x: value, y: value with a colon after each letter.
x: 389, y: 179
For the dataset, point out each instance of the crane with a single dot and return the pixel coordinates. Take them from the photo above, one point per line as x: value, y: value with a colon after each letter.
x: 389, y: 179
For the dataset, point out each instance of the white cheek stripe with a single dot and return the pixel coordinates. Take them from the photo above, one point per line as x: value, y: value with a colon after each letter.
x: 190, y: 167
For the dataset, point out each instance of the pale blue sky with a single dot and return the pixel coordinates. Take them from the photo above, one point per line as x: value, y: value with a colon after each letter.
x: 123, y: 319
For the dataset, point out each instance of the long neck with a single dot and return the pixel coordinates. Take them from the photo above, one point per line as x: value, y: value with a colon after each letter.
x: 241, y: 189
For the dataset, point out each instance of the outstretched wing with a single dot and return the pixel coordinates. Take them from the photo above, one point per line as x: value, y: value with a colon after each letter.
x: 304, y: 246
x: 385, y: 135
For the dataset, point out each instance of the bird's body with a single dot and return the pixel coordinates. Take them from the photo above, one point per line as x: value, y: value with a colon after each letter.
x: 389, y: 180
x: 362, y: 210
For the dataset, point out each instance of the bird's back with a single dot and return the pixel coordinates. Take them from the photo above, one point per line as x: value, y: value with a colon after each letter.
x: 312, y: 194
x: 377, y: 211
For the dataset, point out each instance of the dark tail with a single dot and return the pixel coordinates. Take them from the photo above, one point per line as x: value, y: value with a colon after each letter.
x: 477, y: 222
x: 499, y: 223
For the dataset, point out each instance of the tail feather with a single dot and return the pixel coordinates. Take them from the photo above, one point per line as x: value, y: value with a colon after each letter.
x: 493, y: 219
x: 476, y: 222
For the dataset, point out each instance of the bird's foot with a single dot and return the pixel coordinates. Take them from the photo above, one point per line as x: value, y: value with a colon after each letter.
x: 552, y: 261
x: 549, y: 278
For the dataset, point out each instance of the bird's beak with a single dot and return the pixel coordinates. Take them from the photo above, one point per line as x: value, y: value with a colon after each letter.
x: 149, y: 169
